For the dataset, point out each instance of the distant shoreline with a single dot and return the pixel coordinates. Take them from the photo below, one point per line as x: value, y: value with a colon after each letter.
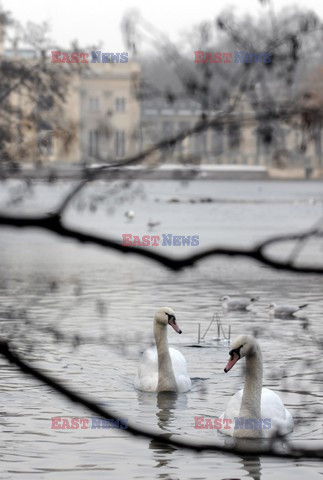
x: 165, y: 172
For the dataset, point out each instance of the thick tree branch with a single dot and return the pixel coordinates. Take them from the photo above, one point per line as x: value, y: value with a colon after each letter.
x: 53, y: 223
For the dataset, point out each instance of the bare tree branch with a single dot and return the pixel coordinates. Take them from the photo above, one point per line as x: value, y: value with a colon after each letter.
x: 53, y: 223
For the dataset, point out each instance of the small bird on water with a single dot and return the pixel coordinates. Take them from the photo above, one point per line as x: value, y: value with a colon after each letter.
x: 152, y: 224
x: 285, y: 310
x: 129, y: 214
x: 237, y: 303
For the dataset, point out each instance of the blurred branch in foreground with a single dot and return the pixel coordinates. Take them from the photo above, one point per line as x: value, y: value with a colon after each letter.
x: 53, y: 223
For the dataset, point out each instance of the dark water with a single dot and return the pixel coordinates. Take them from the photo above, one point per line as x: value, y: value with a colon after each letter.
x: 100, y: 295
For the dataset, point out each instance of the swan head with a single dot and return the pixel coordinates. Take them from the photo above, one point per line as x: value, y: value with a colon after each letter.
x: 166, y: 316
x: 243, y: 346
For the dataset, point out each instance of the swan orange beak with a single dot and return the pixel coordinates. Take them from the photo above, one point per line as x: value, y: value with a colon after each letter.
x: 232, y: 361
x: 172, y: 323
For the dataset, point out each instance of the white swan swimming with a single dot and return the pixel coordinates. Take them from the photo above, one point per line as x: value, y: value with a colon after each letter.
x: 237, y: 303
x: 285, y: 310
x: 163, y: 369
x: 254, y: 402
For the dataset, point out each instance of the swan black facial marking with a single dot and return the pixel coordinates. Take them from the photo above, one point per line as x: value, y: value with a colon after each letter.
x: 171, y: 317
x: 235, y: 350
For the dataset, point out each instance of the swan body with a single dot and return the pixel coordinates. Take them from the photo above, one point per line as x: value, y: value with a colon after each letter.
x: 237, y: 303
x: 272, y: 408
x: 254, y: 405
x: 285, y: 310
x: 163, y: 369
x: 147, y: 377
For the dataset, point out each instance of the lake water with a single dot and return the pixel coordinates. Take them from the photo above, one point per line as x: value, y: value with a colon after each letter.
x: 110, y: 299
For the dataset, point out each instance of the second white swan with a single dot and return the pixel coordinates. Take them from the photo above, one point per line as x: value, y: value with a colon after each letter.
x: 163, y: 369
x: 262, y: 412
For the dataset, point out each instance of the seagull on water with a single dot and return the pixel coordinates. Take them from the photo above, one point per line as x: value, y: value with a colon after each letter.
x: 285, y: 310
x: 129, y: 214
x: 237, y: 303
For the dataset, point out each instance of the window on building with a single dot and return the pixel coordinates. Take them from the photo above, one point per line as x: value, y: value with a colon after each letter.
x: 120, y: 143
x: 94, y: 147
x: 45, y: 138
x: 265, y: 139
x: 318, y: 142
x: 166, y: 133
x: 93, y: 104
x: 234, y: 135
x: 45, y: 143
x: 120, y: 104
x: 200, y: 143
x: 218, y: 140
x: 45, y: 102
x: 167, y: 129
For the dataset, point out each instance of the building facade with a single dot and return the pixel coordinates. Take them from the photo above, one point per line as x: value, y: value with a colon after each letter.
x: 97, y: 121
x: 238, y: 138
x: 109, y: 112
x: 101, y: 120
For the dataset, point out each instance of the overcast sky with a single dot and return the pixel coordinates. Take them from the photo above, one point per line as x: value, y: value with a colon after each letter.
x: 92, y: 21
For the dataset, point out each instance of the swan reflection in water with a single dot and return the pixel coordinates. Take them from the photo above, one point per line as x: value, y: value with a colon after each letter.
x: 250, y: 463
x: 167, y: 404
x: 253, y: 466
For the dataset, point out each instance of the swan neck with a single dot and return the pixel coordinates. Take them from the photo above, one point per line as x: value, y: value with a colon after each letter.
x: 251, y: 398
x: 166, y: 377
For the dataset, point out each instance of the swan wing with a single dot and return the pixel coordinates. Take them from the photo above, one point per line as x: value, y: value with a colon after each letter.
x: 147, y: 375
x: 232, y: 410
x: 273, y: 408
x: 182, y: 377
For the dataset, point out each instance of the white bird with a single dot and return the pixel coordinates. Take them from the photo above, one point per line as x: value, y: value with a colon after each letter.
x: 254, y: 402
x: 237, y: 303
x: 130, y: 214
x: 163, y: 369
x: 285, y: 310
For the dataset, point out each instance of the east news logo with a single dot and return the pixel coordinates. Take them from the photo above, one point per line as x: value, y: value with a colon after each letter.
x: 228, y: 57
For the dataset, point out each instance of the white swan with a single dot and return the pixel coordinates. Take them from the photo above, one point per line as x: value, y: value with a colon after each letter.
x: 163, y: 369
x: 262, y: 407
